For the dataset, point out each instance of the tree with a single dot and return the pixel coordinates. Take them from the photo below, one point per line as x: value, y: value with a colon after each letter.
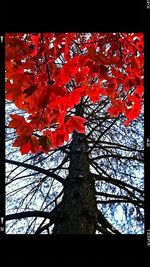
x: 75, y: 101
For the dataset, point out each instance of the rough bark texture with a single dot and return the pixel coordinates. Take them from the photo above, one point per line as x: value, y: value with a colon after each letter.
x: 76, y: 214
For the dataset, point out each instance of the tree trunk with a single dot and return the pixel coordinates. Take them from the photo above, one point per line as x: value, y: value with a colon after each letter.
x: 76, y: 213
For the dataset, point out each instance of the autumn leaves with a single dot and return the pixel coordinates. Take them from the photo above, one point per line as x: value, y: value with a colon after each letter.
x: 103, y: 65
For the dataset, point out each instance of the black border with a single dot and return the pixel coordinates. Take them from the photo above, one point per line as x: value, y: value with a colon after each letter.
x: 2, y: 133
x: 106, y: 17
x: 147, y: 126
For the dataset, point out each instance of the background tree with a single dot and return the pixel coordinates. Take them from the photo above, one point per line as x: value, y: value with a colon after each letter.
x: 78, y: 108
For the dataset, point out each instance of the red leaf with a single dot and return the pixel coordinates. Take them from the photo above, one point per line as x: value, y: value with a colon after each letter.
x: 135, y: 64
x: 20, y: 70
x: 27, y: 143
x: 116, y: 108
x: 132, y: 113
x: 83, y: 60
x: 61, y: 135
x: 67, y: 52
x: 58, y: 91
x: 30, y: 90
x: 75, y: 96
x: 113, y: 111
x: 102, y: 59
x: 94, y: 93
x: 133, y: 106
x: 67, y: 71
x: 127, y: 123
x: 16, y: 121
x: 25, y: 148
x: 91, y: 52
x: 139, y: 90
x: 75, y: 123
x: 35, y: 39
x: 15, y: 95
x: 81, y: 76
x: 61, y: 118
x: 45, y: 143
x: 58, y: 137
x: 22, y: 127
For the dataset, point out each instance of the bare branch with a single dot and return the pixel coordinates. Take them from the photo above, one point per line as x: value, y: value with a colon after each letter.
x: 38, y: 169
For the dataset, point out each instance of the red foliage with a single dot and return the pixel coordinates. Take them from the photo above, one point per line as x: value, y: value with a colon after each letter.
x: 40, y: 68
x: 75, y: 123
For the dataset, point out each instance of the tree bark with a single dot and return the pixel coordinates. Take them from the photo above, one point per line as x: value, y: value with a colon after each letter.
x: 77, y: 212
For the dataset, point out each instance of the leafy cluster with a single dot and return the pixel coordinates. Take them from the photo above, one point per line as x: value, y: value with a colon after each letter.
x: 48, y: 74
